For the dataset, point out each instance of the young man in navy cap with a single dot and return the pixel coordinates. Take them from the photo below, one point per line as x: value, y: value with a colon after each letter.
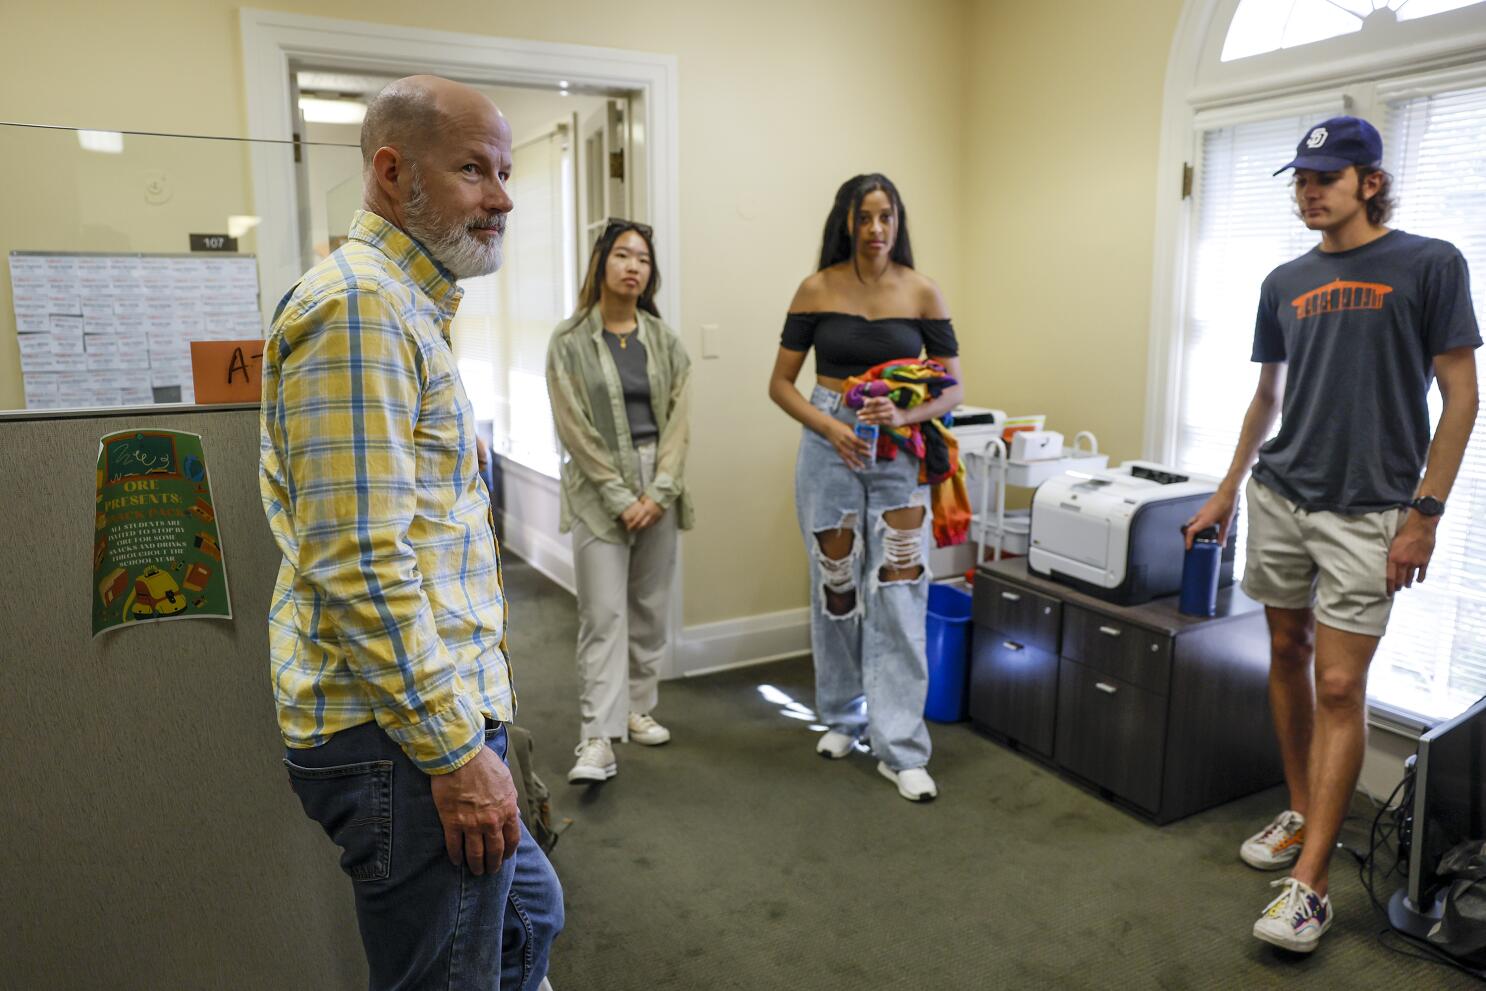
x: 1349, y: 336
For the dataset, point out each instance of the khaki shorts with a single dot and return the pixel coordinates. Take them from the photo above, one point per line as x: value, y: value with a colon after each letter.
x: 1334, y: 564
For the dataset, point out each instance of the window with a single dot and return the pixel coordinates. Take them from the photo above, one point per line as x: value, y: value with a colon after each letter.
x: 1240, y: 225
x: 1260, y: 26
x: 1244, y: 227
x: 1433, y: 659
x: 505, y: 319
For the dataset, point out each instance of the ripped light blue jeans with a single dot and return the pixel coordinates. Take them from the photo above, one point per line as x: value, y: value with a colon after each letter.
x: 867, y: 634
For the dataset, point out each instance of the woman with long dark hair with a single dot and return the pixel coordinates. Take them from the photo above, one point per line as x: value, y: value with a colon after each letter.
x: 617, y: 377
x: 863, y: 510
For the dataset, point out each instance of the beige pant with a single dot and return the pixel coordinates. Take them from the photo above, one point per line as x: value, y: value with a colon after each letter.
x: 1334, y: 564
x: 624, y: 599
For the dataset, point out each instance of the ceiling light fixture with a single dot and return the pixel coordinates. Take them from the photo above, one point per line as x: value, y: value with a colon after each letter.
x: 108, y: 142
x: 317, y: 110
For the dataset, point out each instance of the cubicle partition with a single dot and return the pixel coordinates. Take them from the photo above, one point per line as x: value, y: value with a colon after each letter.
x: 149, y: 837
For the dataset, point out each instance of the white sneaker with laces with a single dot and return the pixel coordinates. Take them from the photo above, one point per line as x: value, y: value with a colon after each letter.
x: 1276, y: 845
x: 913, y: 784
x: 646, y: 731
x: 835, y: 745
x: 595, y: 761
x: 1297, y: 919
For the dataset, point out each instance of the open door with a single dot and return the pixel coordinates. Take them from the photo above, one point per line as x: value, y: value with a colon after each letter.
x: 306, y: 230
x: 603, y: 160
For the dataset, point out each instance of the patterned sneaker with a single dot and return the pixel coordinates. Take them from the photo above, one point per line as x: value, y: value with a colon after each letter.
x: 1276, y: 845
x: 1297, y: 919
x: 595, y: 761
x: 646, y: 731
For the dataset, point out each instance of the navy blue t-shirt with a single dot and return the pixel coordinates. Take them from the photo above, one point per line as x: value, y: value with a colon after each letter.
x: 1359, y: 331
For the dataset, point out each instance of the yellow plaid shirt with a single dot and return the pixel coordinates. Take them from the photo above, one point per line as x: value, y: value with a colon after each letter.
x: 388, y: 604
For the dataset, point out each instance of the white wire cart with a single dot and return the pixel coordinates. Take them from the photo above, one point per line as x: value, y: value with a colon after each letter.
x: 993, y: 527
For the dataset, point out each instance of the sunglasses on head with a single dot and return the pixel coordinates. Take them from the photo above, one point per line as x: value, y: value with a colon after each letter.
x: 618, y: 225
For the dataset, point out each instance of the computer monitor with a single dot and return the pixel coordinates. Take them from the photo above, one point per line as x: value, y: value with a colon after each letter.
x: 1449, y: 798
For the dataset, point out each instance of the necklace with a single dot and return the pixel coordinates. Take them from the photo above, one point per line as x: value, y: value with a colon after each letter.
x: 622, y: 338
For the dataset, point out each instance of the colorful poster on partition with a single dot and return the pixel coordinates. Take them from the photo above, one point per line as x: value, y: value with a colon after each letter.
x: 156, y: 551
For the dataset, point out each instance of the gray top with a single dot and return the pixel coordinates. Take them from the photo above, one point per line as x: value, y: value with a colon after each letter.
x: 629, y: 358
x: 1359, y: 330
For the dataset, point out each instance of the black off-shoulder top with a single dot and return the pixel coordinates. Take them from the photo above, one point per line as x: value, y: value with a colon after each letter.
x: 848, y: 344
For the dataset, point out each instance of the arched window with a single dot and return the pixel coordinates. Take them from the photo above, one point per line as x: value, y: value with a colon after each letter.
x: 1260, y: 26
x: 1261, y: 72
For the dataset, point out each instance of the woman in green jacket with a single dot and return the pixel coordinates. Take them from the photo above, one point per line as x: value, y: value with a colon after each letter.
x: 618, y: 381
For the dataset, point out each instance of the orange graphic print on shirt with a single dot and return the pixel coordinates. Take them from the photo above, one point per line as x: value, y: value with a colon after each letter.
x: 1338, y: 295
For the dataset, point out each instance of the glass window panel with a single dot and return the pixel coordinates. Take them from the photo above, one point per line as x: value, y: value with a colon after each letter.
x: 108, y: 217
x: 1317, y: 20
x: 1412, y: 10
x: 1260, y: 26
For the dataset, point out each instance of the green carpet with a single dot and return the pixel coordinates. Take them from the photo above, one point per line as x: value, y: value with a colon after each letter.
x: 734, y: 857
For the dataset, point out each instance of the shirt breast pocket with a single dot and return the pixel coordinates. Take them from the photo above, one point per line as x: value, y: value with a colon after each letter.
x: 445, y: 418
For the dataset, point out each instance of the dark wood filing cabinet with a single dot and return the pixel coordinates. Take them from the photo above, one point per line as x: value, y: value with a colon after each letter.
x: 1164, y: 713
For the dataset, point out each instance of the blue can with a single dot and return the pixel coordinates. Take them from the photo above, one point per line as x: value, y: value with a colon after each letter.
x: 1200, y: 575
x: 868, y: 433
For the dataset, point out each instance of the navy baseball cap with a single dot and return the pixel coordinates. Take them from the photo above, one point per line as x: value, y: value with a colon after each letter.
x: 1334, y: 144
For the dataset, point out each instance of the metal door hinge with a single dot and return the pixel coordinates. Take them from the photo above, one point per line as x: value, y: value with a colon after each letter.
x: 616, y: 164
x: 1186, y: 180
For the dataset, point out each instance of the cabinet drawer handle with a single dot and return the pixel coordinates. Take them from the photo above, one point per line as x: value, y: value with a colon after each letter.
x: 1109, y: 631
x: 1105, y: 687
x: 1011, y: 646
x: 1011, y: 597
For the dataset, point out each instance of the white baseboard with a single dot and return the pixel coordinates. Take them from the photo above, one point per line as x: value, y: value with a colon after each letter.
x: 553, y: 558
x: 710, y: 647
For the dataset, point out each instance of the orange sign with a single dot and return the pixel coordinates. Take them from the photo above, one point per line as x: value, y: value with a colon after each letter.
x: 227, y: 371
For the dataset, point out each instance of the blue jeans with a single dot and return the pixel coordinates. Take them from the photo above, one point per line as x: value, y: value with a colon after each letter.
x: 874, y: 651
x: 424, y: 922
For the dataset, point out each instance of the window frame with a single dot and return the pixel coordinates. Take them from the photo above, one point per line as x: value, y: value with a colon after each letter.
x: 1366, y: 70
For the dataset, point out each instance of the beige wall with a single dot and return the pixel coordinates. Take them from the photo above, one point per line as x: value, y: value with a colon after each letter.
x: 1063, y: 131
x: 779, y: 102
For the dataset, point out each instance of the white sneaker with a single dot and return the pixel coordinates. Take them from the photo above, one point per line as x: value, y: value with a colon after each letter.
x: 646, y: 731
x: 835, y: 745
x: 595, y: 761
x: 1276, y: 845
x: 913, y: 784
x: 1297, y: 919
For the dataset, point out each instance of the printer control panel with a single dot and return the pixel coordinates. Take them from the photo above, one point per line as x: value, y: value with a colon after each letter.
x: 1157, y: 475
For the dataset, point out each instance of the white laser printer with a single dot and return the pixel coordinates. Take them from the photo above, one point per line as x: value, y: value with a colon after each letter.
x: 1116, y: 534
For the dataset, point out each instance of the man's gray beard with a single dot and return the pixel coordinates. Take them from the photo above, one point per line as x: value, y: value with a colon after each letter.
x: 451, y: 244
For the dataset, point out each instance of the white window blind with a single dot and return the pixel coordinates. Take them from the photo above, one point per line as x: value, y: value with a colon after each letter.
x: 1433, y: 660
x: 1244, y: 226
x: 505, y: 319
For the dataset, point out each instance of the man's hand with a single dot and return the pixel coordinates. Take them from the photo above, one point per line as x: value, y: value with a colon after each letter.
x: 1410, y: 552
x: 477, y: 805
x: 642, y: 513
x: 1217, y: 511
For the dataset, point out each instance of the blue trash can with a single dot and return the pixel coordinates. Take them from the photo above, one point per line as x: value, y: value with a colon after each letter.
x: 949, y: 651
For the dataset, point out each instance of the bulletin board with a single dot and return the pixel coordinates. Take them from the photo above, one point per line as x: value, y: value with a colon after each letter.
x: 106, y: 330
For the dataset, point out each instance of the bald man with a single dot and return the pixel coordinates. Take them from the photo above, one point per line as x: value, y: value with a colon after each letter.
x: 387, y: 633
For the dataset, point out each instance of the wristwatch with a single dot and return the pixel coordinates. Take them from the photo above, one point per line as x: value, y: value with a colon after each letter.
x: 1428, y: 506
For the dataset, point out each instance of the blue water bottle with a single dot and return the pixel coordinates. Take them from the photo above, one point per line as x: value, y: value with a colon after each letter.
x: 1200, y: 574
x: 868, y: 433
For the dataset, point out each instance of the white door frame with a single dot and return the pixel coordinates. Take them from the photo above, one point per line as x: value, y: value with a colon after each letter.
x: 272, y: 40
